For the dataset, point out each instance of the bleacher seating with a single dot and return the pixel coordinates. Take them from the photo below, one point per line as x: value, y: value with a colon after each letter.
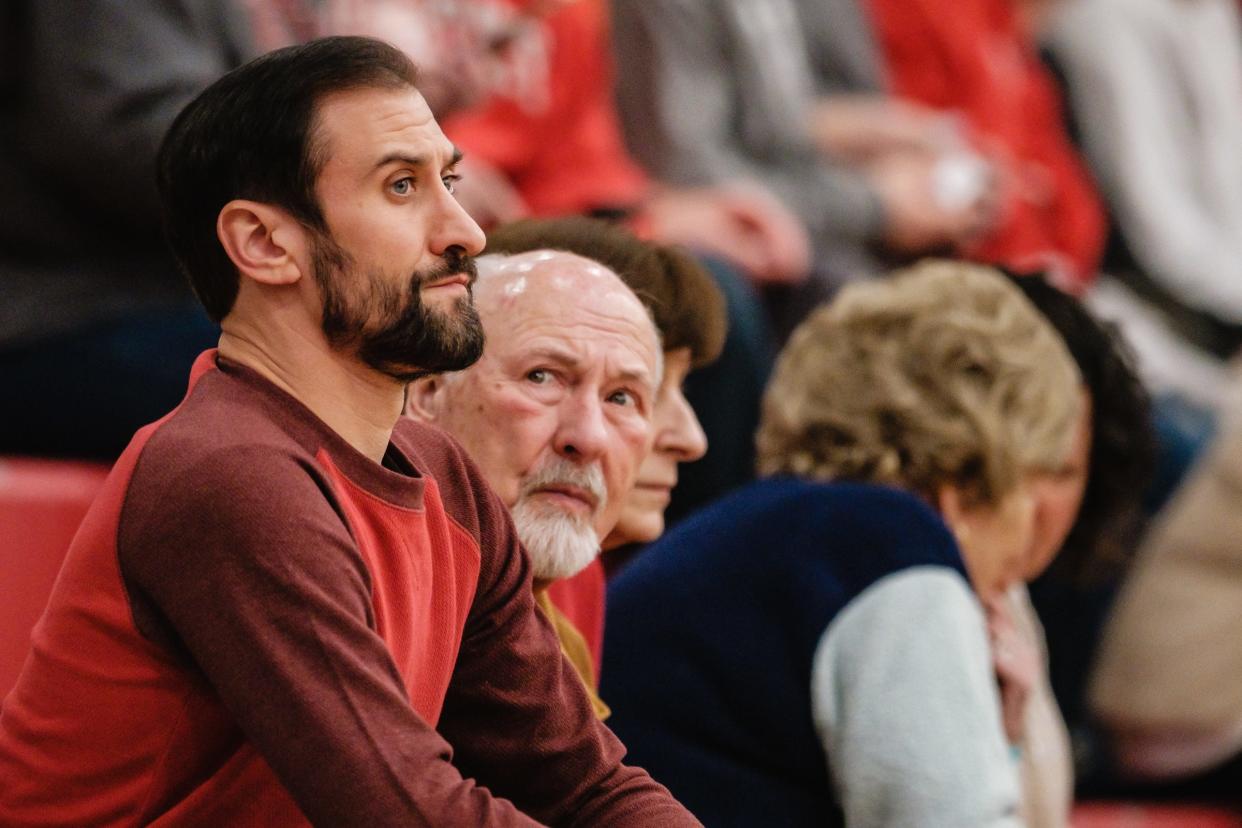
x: 1152, y: 815
x: 41, y: 504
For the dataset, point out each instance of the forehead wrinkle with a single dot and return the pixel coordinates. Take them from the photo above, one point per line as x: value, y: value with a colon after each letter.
x: 578, y: 323
x: 581, y: 348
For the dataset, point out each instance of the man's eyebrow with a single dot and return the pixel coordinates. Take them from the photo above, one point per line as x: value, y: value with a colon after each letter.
x: 553, y: 354
x: 570, y: 360
x: 639, y: 376
x: 415, y: 160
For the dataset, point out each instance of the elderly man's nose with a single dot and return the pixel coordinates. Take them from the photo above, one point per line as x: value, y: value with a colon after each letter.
x: 582, y: 434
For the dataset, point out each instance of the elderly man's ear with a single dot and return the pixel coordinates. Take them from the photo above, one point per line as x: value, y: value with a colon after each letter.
x: 424, y: 398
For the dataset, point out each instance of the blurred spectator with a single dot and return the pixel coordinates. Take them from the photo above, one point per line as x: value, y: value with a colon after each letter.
x: 97, y: 327
x: 1086, y: 514
x: 810, y: 647
x: 976, y: 59
x: 1168, y: 685
x: 788, y: 94
x: 1159, y: 117
x: 1159, y: 113
x: 562, y: 153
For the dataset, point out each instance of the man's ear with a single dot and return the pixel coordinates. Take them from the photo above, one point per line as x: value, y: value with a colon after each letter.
x: 424, y: 398
x: 262, y: 240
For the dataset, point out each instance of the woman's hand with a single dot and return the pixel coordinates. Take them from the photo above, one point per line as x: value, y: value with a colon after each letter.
x: 1016, y: 662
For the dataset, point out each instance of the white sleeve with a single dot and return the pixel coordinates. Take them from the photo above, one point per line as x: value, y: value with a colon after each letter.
x: 907, y: 709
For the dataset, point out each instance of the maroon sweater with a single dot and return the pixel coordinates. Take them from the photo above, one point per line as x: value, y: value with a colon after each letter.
x: 258, y: 625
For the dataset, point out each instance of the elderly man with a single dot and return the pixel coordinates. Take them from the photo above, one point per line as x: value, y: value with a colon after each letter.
x: 558, y: 411
x: 689, y: 314
x: 289, y: 604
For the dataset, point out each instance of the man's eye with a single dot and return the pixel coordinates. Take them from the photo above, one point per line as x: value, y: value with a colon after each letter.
x: 403, y: 186
x: 539, y: 376
x: 450, y: 182
x: 621, y: 398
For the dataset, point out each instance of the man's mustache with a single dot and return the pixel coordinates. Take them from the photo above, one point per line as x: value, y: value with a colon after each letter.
x: 454, y: 261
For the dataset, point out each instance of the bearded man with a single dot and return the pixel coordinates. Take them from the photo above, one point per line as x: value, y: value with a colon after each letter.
x: 289, y: 604
x: 557, y: 411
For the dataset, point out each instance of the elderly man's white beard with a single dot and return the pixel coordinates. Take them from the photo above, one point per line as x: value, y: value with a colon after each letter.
x: 561, y: 544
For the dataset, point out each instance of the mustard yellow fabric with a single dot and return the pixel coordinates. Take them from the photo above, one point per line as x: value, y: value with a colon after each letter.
x: 575, y: 648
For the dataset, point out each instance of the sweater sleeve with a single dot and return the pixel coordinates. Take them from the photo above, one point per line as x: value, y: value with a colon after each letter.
x: 676, y: 101
x: 517, y: 714
x: 907, y: 709
x: 243, y: 566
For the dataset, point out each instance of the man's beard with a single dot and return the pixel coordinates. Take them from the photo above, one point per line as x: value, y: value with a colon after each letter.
x: 387, y: 325
x: 560, y: 543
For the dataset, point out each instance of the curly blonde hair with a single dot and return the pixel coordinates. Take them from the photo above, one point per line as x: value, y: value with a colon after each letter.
x: 943, y: 373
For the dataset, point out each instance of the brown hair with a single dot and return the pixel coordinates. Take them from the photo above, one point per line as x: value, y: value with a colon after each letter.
x: 687, y: 307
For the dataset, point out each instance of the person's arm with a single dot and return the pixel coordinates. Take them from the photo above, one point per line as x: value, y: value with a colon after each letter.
x: 676, y: 100
x: 107, y: 78
x: 244, y: 565
x: 1132, y: 111
x: 516, y: 713
x: 906, y: 705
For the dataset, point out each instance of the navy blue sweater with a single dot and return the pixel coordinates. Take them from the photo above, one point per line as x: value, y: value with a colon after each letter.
x: 712, y: 633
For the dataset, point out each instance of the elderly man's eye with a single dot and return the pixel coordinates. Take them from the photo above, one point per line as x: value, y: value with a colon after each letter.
x: 622, y: 398
x: 538, y: 376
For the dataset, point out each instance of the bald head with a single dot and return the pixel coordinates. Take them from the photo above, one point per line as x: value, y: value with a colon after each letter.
x: 544, y: 281
x: 557, y: 413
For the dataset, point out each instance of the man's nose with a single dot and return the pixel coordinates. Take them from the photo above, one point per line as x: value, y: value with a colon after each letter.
x: 453, y: 227
x: 582, y: 433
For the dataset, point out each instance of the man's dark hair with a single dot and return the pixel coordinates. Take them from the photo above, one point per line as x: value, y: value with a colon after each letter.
x: 685, y: 303
x: 251, y: 134
x: 1122, y: 443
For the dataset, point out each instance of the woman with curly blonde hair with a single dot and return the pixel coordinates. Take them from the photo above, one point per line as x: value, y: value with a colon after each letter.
x: 812, y: 649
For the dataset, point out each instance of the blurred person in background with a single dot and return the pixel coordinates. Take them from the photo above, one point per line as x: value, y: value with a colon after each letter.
x: 791, y: 94
x: 814, y: 649
x: 978, y: 60
x: 1167, y: 686
x: 1086, y: 520
x: 555, y: 148
x: 689, y: 314
x: 92, y: 304
x: 1158, y: 115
